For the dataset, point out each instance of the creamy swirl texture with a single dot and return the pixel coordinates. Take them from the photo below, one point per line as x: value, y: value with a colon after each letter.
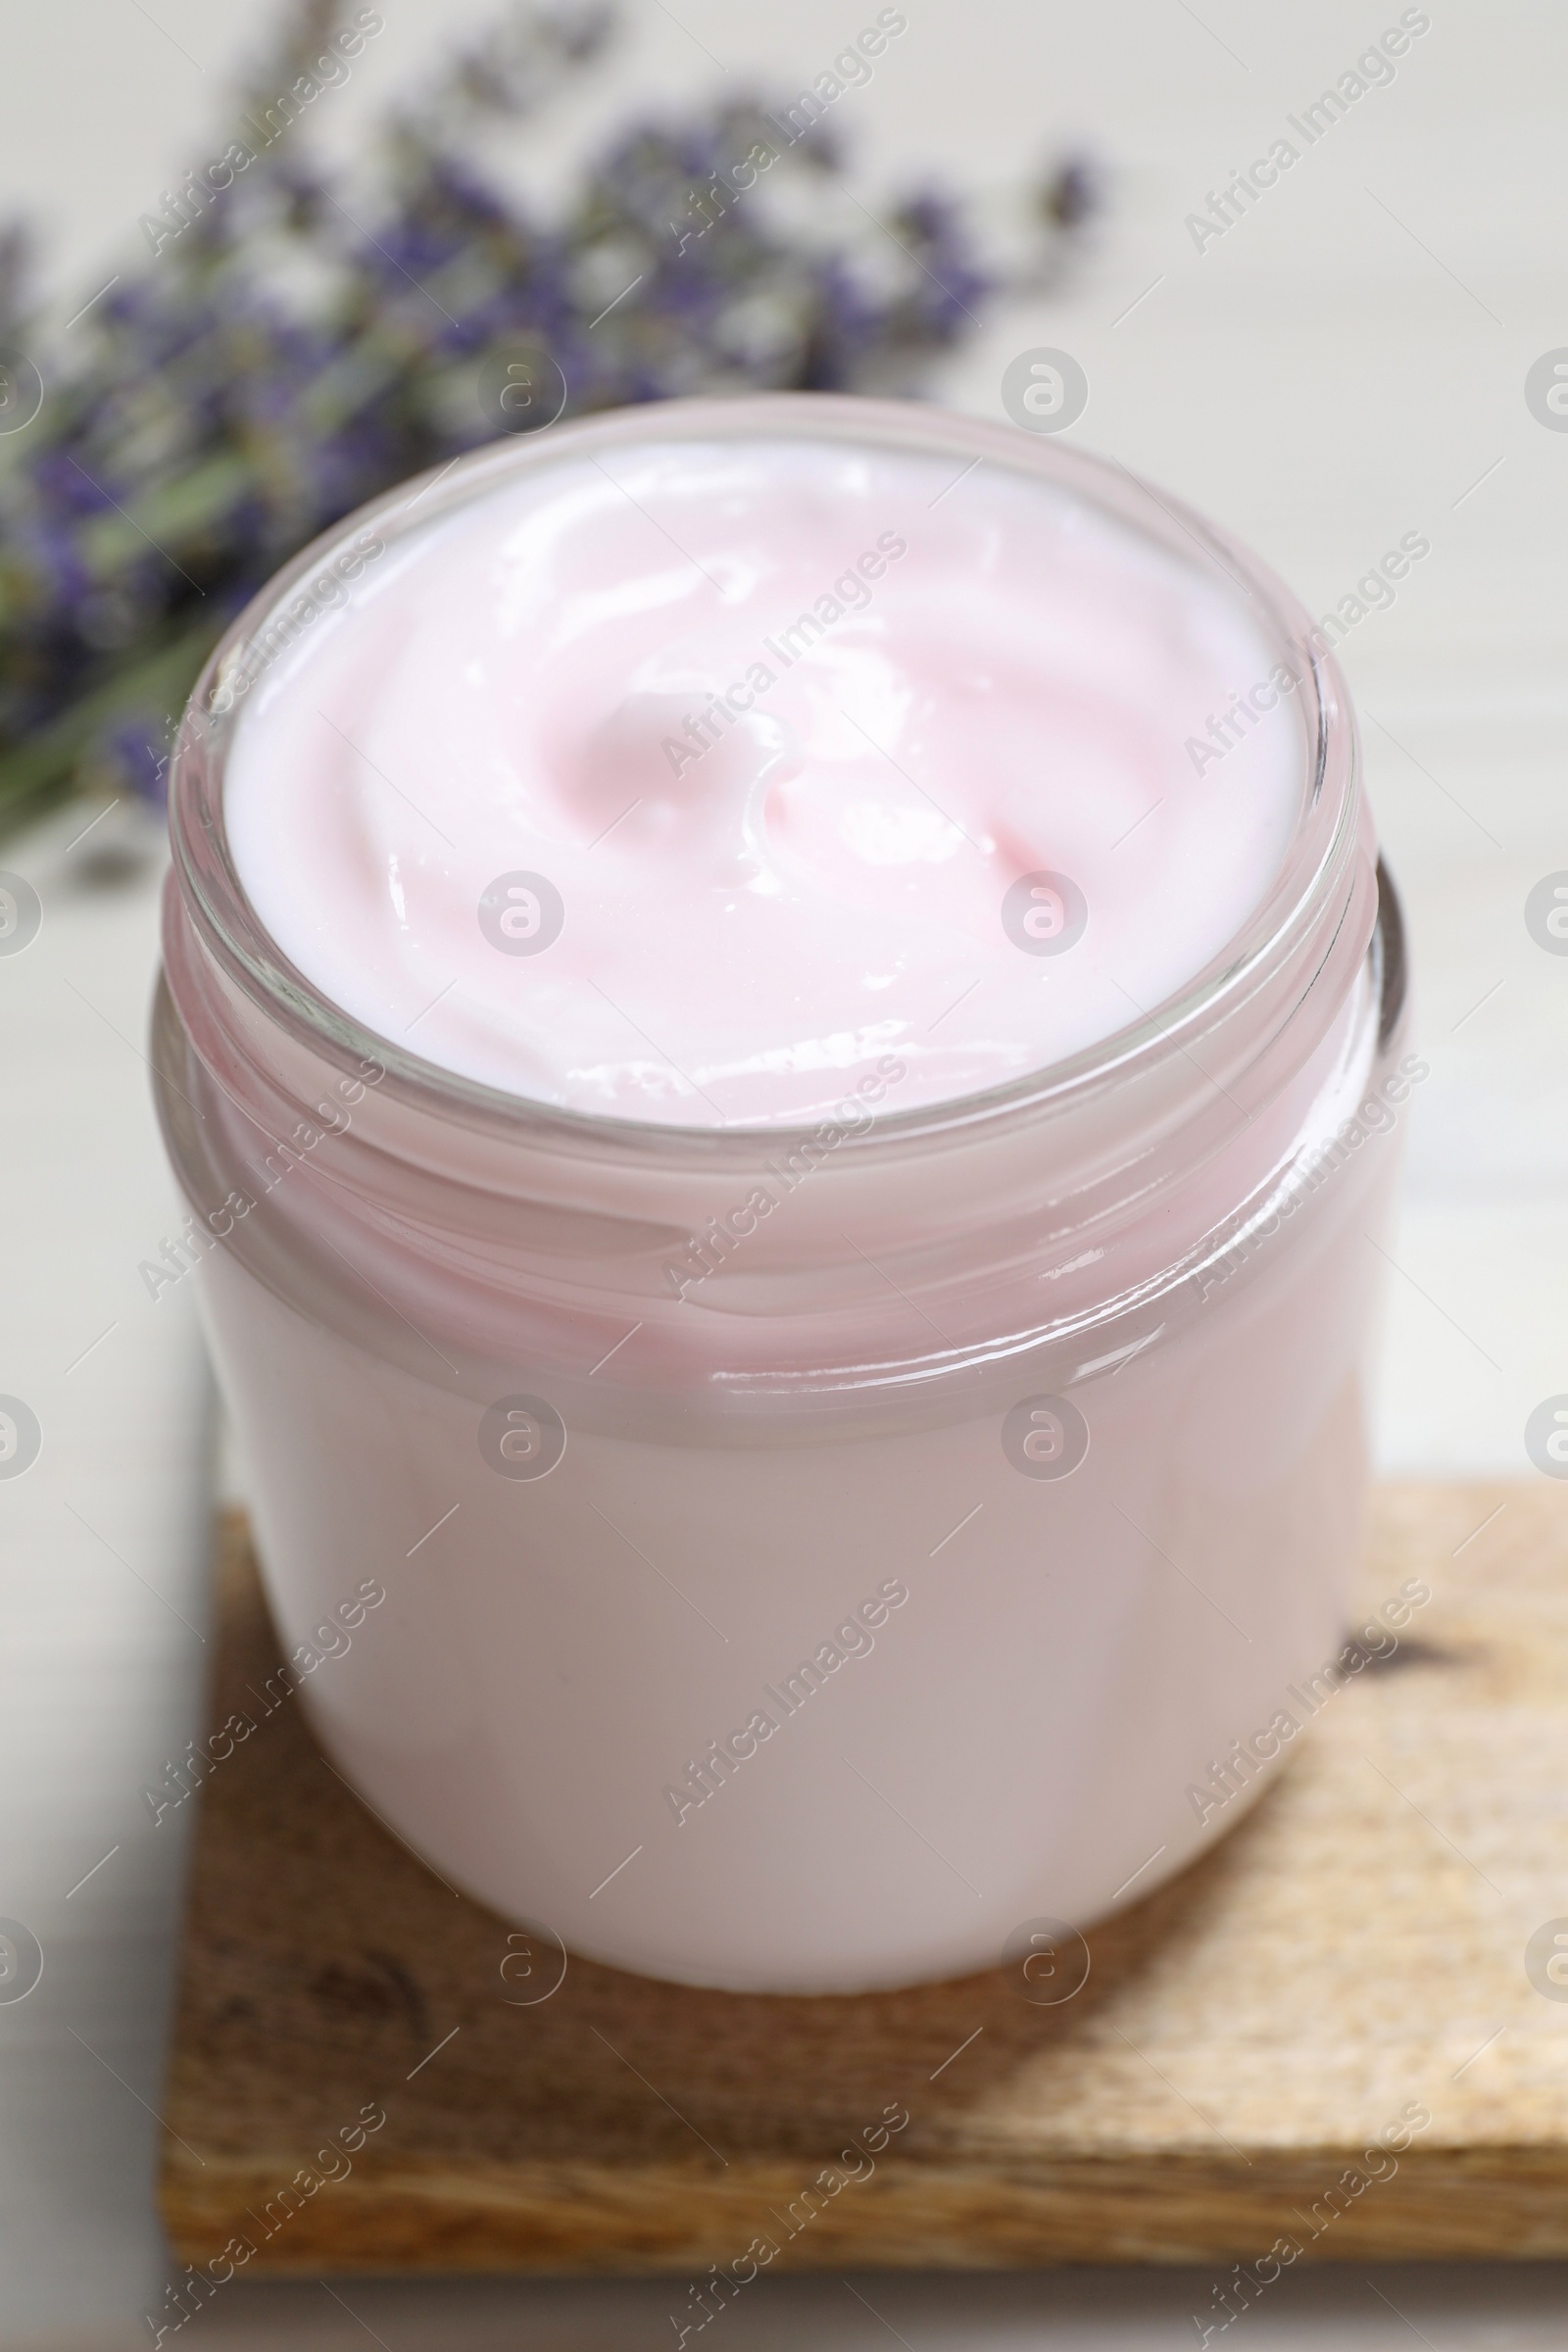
x: 701, y: 783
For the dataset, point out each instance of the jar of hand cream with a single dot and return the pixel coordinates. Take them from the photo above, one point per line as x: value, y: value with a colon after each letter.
x: 782, y: 1038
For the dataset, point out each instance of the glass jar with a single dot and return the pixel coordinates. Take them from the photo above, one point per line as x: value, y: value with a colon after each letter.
x: 946, y: 1556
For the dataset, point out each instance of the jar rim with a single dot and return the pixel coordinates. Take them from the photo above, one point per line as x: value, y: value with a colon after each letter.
x: 1316, y: 862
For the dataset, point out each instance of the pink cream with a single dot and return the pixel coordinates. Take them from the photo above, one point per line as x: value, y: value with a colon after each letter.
x: 780, y: 724
x: 773, y: 1074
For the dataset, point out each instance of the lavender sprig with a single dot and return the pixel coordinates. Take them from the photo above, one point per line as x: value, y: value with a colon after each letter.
x: 290, y: 344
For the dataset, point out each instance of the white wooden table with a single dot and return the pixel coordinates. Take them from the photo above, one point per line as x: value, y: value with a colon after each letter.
x: 1345, y: 366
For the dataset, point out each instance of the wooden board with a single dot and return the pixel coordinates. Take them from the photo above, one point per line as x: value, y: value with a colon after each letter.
x: 1354, y: 1948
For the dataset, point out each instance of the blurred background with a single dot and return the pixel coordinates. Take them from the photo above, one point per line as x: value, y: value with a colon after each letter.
x: 1347, y: 364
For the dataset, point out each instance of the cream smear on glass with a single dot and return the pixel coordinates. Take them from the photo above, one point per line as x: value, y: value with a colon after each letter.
x: 698, y: 785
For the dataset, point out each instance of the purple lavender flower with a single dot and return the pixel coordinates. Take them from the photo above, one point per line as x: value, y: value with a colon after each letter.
x: 291, y: 344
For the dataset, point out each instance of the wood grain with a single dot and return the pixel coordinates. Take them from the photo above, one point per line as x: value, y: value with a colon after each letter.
x: 1354, y: 1948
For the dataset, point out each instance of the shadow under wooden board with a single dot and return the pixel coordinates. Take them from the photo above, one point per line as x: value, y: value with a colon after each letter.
x: 1241, y: 2069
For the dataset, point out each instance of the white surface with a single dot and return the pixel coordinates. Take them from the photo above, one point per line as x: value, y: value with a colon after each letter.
x: 1321, y: 381
x: 100, y: 1592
